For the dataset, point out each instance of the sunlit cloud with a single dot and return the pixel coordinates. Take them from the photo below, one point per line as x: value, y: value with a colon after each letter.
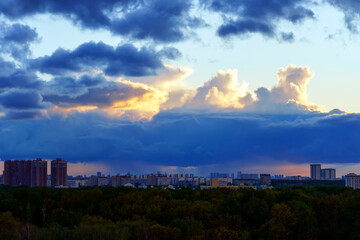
x: 170, y: 82
x: 166, y: 79
x: 124, y: 99
x: 222, y: 91
x: 142, y: 98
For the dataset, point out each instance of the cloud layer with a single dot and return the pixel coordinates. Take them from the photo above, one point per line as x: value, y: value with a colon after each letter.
x: 127, y: 82
x: 122, y: 60
x: 82, y: 80
x: 157, y: 20
x: 259, y: 16
x: 173, y: 139
x: 175, y: 21
x: 351, y: 11
x: 126, y: 105
x: 15, y: 40
x: 225, y: 92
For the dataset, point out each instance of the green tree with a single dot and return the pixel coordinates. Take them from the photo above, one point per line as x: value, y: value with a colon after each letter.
x: 280, y: 226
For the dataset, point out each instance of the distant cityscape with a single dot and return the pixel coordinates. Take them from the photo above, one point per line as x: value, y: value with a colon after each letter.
x: 33, y: 173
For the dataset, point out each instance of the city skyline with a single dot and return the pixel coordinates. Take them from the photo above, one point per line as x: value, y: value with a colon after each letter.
x: 33, y: 173
x: 74, y: 170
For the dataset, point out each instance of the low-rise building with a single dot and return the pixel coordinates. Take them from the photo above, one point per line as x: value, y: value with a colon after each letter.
x: 219, y: 175
x: 352, y: 180
x: 162, y: 181
x: 221, y: 182
x: 158, y: 180
x: 75, y: 182
x: 92, y: 181
x: 328, y: 174
x: 265, y: 179
x: 117, y: 181
x: 248, y: 176
x: 98, y: 181
x: 103, y: 181
x: 306, y: 182
x: 297, y: 178
x: 246, y: 182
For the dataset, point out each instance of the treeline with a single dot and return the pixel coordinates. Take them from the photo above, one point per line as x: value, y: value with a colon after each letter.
x: 127, y: 213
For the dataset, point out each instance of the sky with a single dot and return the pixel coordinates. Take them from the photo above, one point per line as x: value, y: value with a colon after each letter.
x: 182, y: 85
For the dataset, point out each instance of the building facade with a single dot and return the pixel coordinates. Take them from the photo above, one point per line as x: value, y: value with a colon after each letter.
x: 38, y: 173
x: 328, y: 174
x: 315, y: 171
x: 25, y: 172
x: 219, y: 175
x: 352, y: 180
x: 248, y: 176
x: 158, y: 180
x: 103, y: 181
x: 265, y: 179
x: 117, y: 181
x: 17, y: 173
x: 58, y: 173
x: 221, y: 182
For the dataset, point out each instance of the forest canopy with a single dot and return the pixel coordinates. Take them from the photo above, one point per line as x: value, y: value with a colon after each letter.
x: 127, y: 213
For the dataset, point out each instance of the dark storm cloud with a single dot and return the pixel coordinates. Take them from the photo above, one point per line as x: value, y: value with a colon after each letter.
x: 101, y: 96
x: 19, y: 79
x: 257, y: 16
x: 351, y: 10
x: 71, y: 83
x: 12, y: 76
x: 170, y: 53
x: 164, y: 21
x: 89, y: 13
x: 287, y: 37
x: 122, y: 60
x: 15, y: 39
x: 24, y: 115
x: 19, y: 33
x: 71, y: 86
x: 187, y: 139
x: 240, y: 27
x: 22, y: 100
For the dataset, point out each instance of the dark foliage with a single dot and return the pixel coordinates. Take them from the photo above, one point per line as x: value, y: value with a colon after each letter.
x: 125, y: 213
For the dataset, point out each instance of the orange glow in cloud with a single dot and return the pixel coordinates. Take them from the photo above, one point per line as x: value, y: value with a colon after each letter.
x: 286, y: 170
x: 293, y: 170
x: 75, y: 169
x: 66, y: 110
x: 147, y: 96
x: 143, y: 104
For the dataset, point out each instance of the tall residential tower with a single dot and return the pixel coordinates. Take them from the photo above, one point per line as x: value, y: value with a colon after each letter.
x: 58, y: 173
x: 315, y: 171
x: 25, y: 172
